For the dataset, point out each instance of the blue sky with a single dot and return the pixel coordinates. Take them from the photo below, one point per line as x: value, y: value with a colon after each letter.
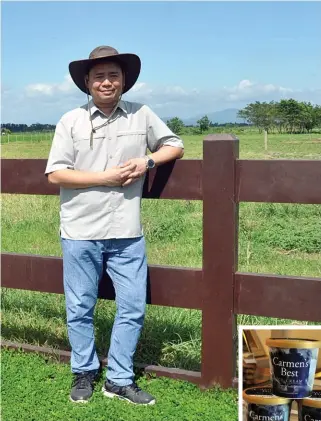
x: 197, y: 57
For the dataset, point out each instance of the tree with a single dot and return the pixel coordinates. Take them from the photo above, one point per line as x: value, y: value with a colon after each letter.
x: 287, y: 115
x: 6, y: 131
x: 290, y: 111
x: 19, y: 128
x: 245, y: 114
x: 308, y: 116
x: 258, y: 114
x: 176, y: 125
x: 317, y: 115
x: 204, y: 124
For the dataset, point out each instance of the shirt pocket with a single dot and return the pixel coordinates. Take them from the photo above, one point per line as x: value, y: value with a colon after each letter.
x: 87, y: 158
x: 82, y: 142
x: 131, y: 144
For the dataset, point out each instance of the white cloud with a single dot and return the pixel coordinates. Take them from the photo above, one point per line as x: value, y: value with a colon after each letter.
x: 158, y: 96
x: 247, y: 90
x: 66, y: 86
x: 39, y: 88
x: 244, y: 84
x: 139, y: 86
x: 46, y: 102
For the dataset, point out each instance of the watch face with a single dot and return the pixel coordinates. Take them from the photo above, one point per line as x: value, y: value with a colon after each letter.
x: 151, y: 163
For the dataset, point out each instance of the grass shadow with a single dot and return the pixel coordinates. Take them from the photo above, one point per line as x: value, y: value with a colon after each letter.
x: 170, y: 336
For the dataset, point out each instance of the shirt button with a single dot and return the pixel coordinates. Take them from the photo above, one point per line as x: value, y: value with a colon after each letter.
x: 110, y: 156
x: 109, y: 138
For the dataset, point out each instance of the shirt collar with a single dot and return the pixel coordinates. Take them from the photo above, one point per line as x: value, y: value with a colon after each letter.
x: 94, y: 109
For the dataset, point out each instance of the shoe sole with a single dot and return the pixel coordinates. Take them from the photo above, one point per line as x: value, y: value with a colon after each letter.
x: 114, y: 395
x: 78, y: 400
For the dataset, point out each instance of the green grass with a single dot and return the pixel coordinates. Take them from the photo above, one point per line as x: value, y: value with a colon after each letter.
x: 31, y: 137
x: 303, y: 146
x: 37, y: 389
x: 273, y: 238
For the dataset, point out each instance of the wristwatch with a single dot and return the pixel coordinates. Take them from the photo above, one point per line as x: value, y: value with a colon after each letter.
x: 150, y: 163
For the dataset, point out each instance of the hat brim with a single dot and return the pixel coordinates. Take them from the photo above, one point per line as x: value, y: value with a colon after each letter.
x: 130, y: 63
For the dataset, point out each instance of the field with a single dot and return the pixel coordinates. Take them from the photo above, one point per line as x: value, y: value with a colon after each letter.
x: 29, y: 137
x: 304, y: 146
x: 273, y: 238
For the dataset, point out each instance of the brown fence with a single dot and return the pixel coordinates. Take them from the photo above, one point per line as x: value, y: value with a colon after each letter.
x: 221, y: 181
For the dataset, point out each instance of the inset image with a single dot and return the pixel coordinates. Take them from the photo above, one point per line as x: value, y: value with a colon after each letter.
x: 280, y: 373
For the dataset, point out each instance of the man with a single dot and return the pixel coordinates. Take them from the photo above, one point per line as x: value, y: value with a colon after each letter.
x: 98, y: 158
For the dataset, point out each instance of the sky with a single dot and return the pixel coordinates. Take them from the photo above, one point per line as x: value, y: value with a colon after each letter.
x: 197, y: 57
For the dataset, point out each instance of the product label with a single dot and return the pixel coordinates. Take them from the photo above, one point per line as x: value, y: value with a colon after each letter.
x: 293, y: 371
x: 310, y: 414
x: 268, y: 412
x: 260, y: 391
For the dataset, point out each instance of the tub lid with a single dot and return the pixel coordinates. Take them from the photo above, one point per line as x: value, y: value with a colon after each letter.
x: 263, y: 396
x: 293, y: 343
x: 314, y: 400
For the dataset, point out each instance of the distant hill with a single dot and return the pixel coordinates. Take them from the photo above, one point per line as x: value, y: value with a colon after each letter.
x: 224, y: 116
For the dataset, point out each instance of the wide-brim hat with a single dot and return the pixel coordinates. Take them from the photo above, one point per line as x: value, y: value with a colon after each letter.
x: 130, y: 64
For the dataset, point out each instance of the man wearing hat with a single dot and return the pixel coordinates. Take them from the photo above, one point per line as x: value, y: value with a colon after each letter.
x: 98, y: 158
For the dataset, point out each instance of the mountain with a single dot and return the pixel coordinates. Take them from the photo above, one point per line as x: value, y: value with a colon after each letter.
x: 224, y: 116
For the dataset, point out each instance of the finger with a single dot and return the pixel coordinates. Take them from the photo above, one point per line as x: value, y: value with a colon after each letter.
x: 124, y: 164
x: 125, y: 175
x: 135, y: 175
x: 127, y: 182
x: 130, y: 168
x: 129, y: 174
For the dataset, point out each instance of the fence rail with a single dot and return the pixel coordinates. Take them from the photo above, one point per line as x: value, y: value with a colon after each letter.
x: 30, y: 137
x: 221, y: 181
x: 281, y: 181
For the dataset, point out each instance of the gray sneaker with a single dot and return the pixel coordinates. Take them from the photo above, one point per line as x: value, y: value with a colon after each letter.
x: 82, y: 386
x: 131, y: 393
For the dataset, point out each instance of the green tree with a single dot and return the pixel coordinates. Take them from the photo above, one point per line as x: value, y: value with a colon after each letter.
x: 176, y: 125
x: 6, y: 131
x: 245, y: 114
x: 308, y: 117
x: 260, y: 114
x: 287, y: 115
x: 204, y: 124
x: 290, y: 111
x: 317, y: 115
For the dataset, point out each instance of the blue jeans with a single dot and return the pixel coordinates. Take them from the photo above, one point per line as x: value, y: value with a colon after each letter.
x: 83, y: 265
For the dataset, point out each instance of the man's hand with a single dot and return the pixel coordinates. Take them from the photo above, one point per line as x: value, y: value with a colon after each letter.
x: 117, y: 176
x: 140, y: 164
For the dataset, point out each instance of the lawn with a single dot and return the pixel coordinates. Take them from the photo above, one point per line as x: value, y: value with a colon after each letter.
x: 289, y: 146
x: 36, y: 389
x: 273, y: 238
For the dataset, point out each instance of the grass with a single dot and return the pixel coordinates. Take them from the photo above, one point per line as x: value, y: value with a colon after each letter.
x: 273, y: 238
x: 38, y: 391
x: 30, y: 137
x: 288, y: 146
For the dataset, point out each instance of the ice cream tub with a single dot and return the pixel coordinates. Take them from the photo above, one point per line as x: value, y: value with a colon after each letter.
x: 310, y: 408
x: 293, y: 363
x: 261, y: 405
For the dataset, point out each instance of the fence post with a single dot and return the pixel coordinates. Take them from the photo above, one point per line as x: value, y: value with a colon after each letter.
x: 220, y: 219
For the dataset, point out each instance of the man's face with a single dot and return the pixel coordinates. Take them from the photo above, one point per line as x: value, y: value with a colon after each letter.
x: 105, y: 82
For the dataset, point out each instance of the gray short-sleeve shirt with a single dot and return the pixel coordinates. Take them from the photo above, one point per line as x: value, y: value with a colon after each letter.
x: 102, y: 212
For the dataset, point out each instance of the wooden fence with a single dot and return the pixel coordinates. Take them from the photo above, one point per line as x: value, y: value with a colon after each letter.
x: 221, y: 180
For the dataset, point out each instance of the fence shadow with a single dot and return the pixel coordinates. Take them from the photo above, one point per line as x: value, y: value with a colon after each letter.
x: 162, y: 341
